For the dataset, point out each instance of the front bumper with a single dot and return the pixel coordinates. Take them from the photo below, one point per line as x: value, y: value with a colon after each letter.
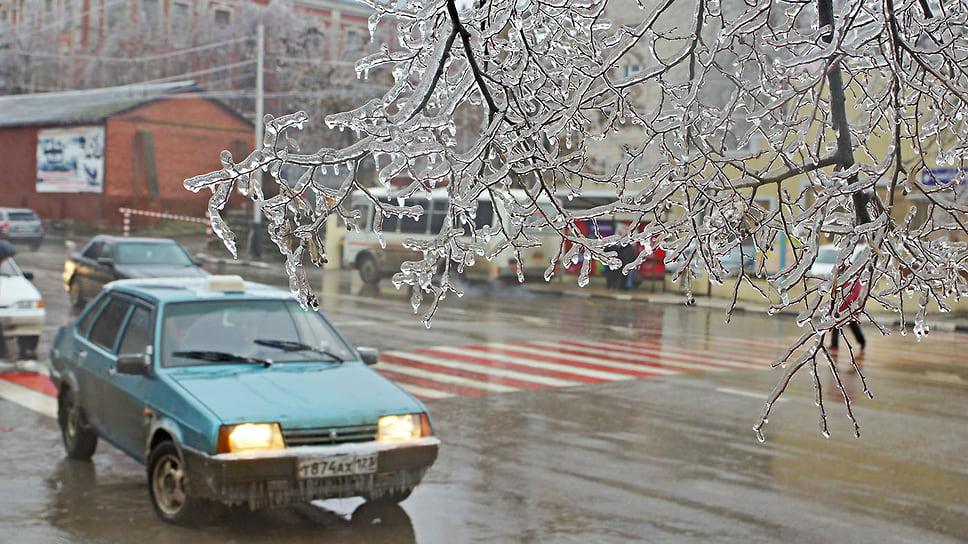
x: 267, y: 479
x: 22, y: 322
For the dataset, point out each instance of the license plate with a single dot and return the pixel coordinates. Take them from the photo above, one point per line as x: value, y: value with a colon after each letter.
x: 345, y: 465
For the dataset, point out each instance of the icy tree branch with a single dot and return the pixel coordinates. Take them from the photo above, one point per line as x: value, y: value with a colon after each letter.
x: 713, y: 124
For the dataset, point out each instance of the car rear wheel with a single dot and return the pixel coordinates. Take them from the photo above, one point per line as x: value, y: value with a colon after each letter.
x: 77, y: 299
x: 369, y: 270
x: 168, y: 485
x: 79, y: 441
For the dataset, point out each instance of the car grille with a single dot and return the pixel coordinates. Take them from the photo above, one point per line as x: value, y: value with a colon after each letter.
x: 323, y: 436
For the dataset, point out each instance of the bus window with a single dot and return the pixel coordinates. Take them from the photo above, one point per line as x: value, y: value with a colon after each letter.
x: 366, y: 214
x: 438, y: 213
x: 414, y: 226
x: 485, y: 214
x: 390, y: 222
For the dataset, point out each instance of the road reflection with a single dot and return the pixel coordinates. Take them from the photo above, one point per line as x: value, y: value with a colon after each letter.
x: 114, y: 510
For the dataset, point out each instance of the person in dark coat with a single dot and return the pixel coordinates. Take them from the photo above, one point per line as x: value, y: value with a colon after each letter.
x: 849, y: 299
x: 6, y: 251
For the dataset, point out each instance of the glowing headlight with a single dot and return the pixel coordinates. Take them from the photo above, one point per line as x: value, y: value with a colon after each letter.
x: 250, y: 437
x: 403, y: 427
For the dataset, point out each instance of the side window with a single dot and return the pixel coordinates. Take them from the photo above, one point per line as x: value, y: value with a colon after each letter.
x: 93, y: 251
x: 366, y: 215
x: 390, y: 222
x: 415, y: 226
x: 85, y: 323
x: 137, y: 333
x: 105, y: 330
x: 437, y: 215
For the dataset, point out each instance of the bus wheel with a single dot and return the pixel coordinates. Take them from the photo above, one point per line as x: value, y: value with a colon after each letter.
x: 369, y: 270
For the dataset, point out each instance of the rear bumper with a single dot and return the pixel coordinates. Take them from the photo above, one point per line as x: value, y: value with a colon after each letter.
x: 30, y: 237
x: 268, y: 479
x: 22, y: 322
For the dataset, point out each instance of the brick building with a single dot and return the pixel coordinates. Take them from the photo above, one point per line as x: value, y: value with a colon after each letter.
x: 81, y: 155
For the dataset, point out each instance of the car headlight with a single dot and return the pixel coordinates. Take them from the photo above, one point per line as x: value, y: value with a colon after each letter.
x: 29, y: 304
x: 247, y: 437
x: 403, y: 427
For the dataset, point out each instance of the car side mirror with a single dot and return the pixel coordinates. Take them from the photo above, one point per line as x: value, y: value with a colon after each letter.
x: 370, y: 355
x: 105, y: 261
x: 133, y: 364
x: 29, y: 275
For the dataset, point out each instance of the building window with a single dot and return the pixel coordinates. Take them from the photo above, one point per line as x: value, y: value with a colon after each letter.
x: 179, y: 14
x: 222, y: 17
x: 149, y: 11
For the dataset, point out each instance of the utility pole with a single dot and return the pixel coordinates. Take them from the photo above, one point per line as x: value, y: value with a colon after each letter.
x: 255, y: 245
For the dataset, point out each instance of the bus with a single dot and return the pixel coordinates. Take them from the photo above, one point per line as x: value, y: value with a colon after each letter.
x: 362, y: 249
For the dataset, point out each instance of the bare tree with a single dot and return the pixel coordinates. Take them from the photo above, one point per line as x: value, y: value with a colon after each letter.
x: 839, y: 115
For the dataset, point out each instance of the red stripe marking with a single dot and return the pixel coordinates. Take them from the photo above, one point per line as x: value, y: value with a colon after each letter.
x: 631, y: 349
x: 564, y: 361
x: 463, y: 373
x: 514, y: 366
x: 32, y: 380
x: 429, y: 384
x: 639, y: 354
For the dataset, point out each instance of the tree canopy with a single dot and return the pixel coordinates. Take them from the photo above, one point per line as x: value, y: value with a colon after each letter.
x: 716, y: 125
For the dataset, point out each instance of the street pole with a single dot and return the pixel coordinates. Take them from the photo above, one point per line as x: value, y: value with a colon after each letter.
x: 255, y: 249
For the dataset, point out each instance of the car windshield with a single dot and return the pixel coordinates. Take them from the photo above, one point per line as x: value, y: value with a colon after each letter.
x: 227, y: 331
x: 827, y: 255
x: 152, y: 253
x: 23, y: 216
x: 9, y: 268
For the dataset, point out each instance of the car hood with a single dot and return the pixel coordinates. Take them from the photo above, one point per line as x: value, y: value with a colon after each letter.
x: 137, y: 271
x: 299, y: 395
x: 16, y: 288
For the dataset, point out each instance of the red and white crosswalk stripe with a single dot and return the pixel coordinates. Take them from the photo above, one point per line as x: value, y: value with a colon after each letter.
x: 501, y: 368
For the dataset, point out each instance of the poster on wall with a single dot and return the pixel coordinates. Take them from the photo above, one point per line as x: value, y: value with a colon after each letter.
x: 70, y: 160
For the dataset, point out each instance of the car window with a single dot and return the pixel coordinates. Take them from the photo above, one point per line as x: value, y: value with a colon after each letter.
x: 152, y: 253
x: 93, y: 251
x: 137, y: 332
x: 92, y: 312
x: 9, y: 268
x: 23, y: 216
x: 104, y: 331
x: 234, y: 326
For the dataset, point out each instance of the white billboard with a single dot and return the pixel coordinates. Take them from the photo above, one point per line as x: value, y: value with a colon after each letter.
x: 70, y: 160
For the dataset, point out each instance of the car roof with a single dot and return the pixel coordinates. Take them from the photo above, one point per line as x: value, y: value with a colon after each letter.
x: 142, y: 239
x: 215, y: 287
x: 17, y: 210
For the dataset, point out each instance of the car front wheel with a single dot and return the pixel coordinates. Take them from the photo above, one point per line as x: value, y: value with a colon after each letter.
x: 79, y: 441
x: 168, y: 485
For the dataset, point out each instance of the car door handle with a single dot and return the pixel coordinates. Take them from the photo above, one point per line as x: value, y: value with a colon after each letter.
x: 80, y: 354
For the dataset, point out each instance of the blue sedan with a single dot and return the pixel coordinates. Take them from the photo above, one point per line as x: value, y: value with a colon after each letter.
x: 230, y: 393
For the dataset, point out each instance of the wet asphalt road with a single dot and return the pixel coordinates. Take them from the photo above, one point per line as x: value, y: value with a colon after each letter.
x: 660, y: 459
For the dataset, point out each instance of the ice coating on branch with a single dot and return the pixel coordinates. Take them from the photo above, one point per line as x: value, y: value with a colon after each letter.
x: 703, y: 133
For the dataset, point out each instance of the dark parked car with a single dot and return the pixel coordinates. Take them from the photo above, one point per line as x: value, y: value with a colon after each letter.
x: 229, y: 392
x: 108, y: 258
x: 21, y: 225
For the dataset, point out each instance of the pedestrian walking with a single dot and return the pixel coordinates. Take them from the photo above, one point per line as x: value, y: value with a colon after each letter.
x: 6, y: 251
x: 849, y: 299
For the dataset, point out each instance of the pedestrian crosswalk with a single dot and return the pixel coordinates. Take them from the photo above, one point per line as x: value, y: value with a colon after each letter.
x: 498, y: 368
x: 482, y: 369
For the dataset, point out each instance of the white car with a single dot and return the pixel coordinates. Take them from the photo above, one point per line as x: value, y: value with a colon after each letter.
x: 21, y: 309
x: 823, y: 266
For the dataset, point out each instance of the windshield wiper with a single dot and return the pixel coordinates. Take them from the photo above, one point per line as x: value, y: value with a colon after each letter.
x: 222, y: 357
x: 290, y: 345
